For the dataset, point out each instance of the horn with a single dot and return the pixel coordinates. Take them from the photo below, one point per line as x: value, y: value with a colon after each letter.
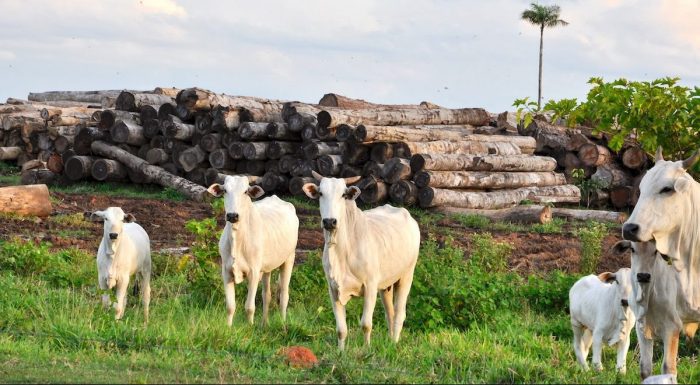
x: 352, y: 180
x: 316, y: 175
x: 659, y: 154
x: 252, y: 178
x: 688, y: 163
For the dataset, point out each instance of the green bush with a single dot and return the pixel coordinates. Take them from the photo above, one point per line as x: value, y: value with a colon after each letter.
x: 201, y: 269
x: 591, y: 237
x: 548, y: 293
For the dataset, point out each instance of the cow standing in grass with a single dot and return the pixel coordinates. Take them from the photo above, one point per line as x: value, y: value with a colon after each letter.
x: 665, y: 226
x: 365, y: 252
x: 258, y: 238
x: 124, y: 250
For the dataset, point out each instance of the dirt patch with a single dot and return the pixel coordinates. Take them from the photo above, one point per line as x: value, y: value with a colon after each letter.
x: 165, y: 223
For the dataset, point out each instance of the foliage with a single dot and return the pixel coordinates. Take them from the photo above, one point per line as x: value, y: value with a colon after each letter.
x: 525, y: 110
x: 588, y: 186
x: 591, y: 237
x: 488, y: 254
x: 127, y: 190
x: 549, y: 292
x: 200, y: 267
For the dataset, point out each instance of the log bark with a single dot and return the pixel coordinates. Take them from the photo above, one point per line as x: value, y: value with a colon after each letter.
x: 93, y: 97
x: 131, y: 101
x: 594, y: 155
x: 109, y: 117
x: 203, y: 123
x: 276, y: 150
x: 329, y: 165
x: 157, y: 174
x: 78, y: 167
x: 634, y: 158
x: 487, y: 179
x: 373, y: 168
x: 127, y: 131
x: 347, y: 171
x: 108, y: 170
x: 197, y: 99
x: 404, y: 192
x: 157, y: 156
x: 272, y: 165
x: 296, y: 183
x: 235, y: 150
x: 220, y: 159
x: 519, y: 214
x: 508, y: 121
x: 29, y: 200
x: 610, y: 176
x: 368, y: 134
x: 190, y: 158
x: 325, y: 133
x: 313, y: 150
x: 308, y: 133
x: 291, y: 108
x: 286, y: 163
x: 356, y: 154
x: 177, y: 129
x: 589, y: 215
x: 457, y: 162
x: 158, y: 141
x: 576, y: 141
x: 298, y: 121
x: 621, y: 196
x: 281, y: 131
x: 147, y: 112
x: 396, y: 169
x: 303, y: 168
x: 403, y: 116
x: 345, y: 132
x: 464, y: 148
x: 56, y: 131
x: 381, y: 152
x: 197, y: 175
x: 254, y: 167
x: 252, y: 131
x: 431, y: 197
x: 271, y: 182
x: 166, y: 110
x: 55, y: 163
x: 225, y: 119
x: 210, y: 142
x: 40, y: 176
x: 10, y: 153
x: 373, y: 190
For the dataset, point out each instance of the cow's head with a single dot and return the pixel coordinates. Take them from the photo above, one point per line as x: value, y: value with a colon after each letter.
x: 622, y: 282
x: 332, y: 194
x: 238, y: 195
x: 644, y: 258
x: 664, y: 201
x: 114, y: 219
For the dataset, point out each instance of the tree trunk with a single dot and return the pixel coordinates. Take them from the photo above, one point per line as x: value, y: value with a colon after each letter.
x: 235, y: 150
x: 431, y: 197
x: 255, y: 150
x: 508, y: 121
x: 108, y: 170
x: 589, y: 215
x: 325, y: 133
x: 463, y: 148
x: 404, y: 193
x: 373, y: 168
x: 308, y: 133
x: 93, y: 97
x: 303, y: 168
x: 272, y: 165
x: 276, y: 150
x: 347, y: 171
x: 296, y: 184
x: 251, y: 131
x: 621, y: 196
x: 158, y: 141
x: 255, y: 167
x: 202, y: 123
x: 271, y: 182
x: 109, y: 117
x: 157, y: 174
x: 55, y: 163
x: 177, y: 130
x: 281, y: 131
x: 210, y: 142
x: 166, y: 110
x: 594, y: 155
x: 197, y: 99
x: 457, y: 162
x: 634, y: 158
x: 367, y: 134
x: 190, y: 158
x: 78, y: 167
x: 519, y: 214
x: 356, y: 154
x: 291, y: 108
x: 127, y: 131
x: 403, y: 116
x: 225, y: 119
x: 345, y: 133
x: 312, y: 150
x: 220, y: 159
x: 329, y: 165
x: 335, y: 100
x: 296, y: 122
x: 130, y: 101
x: 487, y: 179
x: 40, y: 176
x: 287, y: 163
x: 396, y: 169
x: 157, y: 156
x: 197, y: 176
x: 372, y: 190
x: 30, y: 200
x: 576, y: 141
x: 381, y: 152
x: 10, y: 153
x: 610, y: 176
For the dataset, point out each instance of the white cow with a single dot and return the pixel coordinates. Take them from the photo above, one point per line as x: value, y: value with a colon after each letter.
x: 125, y: 250
x: 668, y: 213
x: 258, y: 237
x: 600, y: 313
x: 365, y: 252
x: 659, y: 304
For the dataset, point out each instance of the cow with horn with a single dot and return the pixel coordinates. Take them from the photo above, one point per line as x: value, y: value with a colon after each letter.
x: 365, y: 253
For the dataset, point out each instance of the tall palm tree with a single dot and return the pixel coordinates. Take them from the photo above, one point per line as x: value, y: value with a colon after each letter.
x: 544, y: 16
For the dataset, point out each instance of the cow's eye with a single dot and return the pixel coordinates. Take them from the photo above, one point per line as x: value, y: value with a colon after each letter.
x: 320, y: 193
x: 667, y: 189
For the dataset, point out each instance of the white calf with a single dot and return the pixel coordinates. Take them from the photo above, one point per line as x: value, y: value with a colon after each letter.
x: 600, y: 313
x: 124, y: 250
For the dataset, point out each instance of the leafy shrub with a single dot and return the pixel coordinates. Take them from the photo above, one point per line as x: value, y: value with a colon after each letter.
x: 69, y: 267
x: 473, y: 221
x: 548, y: 293
x: 489, y: 255
x: 591, y: 237
x: 200, y: 268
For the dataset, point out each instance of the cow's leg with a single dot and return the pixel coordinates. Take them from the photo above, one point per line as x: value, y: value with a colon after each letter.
x: 402, y: 288
x: 253, y: 280
x: 122, y: 286
x: 580, y: 344
x: 267, y: 296
x: 622, y: 347
x: 370, y: 301
x: 230, y: 292
x: 340, y: 324
x: 146, y: 289
x: 597, y: 349
x: 646, y: 351
x: 388, y: 302
x: 587, y: 341
x: 670, y: 351
x: 285, y: 277
x: 106, y: 302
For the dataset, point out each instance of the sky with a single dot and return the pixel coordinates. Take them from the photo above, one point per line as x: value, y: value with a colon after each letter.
x: 455, y: 53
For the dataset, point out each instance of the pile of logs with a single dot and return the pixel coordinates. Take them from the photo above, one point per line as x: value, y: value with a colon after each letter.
x: 422, y: 154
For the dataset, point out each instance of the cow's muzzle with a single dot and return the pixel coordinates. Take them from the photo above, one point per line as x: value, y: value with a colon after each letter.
x: 630, y: 232
x: 624, y: 303
x: 643, y: 277
x: 330, y: 223
x: 113, y: 236
x: 232, y: 217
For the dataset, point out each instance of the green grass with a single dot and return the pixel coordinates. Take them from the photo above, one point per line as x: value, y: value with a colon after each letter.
x: 302, y: 202
x: 9, y: 174
x: 468, y: 321
x: 126, y: 190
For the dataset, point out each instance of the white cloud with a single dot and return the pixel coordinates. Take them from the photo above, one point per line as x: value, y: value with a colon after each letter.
x: 165, y: 7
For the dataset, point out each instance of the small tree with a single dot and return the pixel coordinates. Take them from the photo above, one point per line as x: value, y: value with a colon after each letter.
x: 543, y: 16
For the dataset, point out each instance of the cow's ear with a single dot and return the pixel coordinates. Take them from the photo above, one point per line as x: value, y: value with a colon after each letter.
x: 351, y: 193
x: 94, y: 216
x: 607, y: 277
x: 128, y: 218
x: 681, y: 184
x: 311, y: 190
x: 255, y: 191
x: 216, y: 190
x: 621, y: 247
